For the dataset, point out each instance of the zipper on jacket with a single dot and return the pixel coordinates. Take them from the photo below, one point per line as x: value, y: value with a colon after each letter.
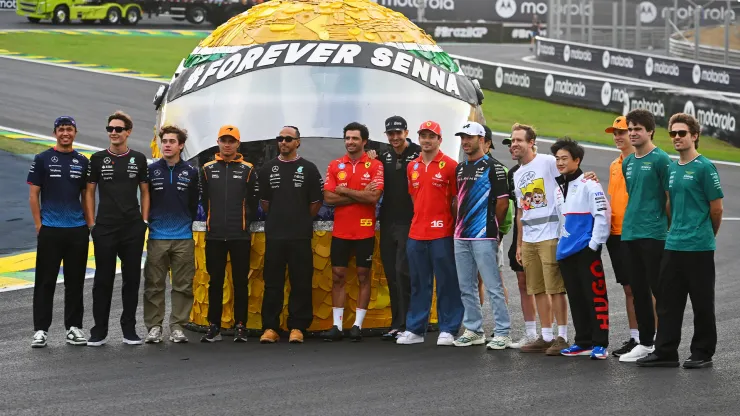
x: 226, y: 198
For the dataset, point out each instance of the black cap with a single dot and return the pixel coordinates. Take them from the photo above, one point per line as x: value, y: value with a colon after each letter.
x: 506, y: 141
x: 489, y: 135
x: 395, y: 123
x: 65, y: 121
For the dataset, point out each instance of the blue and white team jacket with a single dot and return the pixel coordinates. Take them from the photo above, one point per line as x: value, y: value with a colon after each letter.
x: 585, y: 215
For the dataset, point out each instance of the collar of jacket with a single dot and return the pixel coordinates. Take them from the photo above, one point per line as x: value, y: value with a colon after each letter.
x: 164, y: 163
x: 564, y: 180
x: 238, y: 159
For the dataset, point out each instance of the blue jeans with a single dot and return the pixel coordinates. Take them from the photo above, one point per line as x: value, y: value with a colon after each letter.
x: 429, y: 259
x: 471, y: 257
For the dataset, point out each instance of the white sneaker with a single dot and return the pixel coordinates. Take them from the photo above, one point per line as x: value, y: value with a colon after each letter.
x: 75, y: 336
x: 469, y: 338
x: 39, y: 339
x: 178, y: 336
x: 499, y: 343
x: 638, y: 352
x: 524, y: 340
x: 408, y: 338
x: 445, y: 339
x: 154, y: 336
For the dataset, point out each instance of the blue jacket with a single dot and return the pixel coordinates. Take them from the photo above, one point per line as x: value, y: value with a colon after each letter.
x: 585, y: 215
x: 174, y: 200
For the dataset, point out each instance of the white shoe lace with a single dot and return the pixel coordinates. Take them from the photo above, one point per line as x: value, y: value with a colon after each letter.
x: 76, y: 332
x: 39, y: 335
x: 155, y: 332
x: 177, y: 334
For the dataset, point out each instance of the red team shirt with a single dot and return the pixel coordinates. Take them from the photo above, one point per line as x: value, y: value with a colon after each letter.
x: 432, y: 186
x: 354, y: 221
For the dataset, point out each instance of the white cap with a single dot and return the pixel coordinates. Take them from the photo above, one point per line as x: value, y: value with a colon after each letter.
x: 471, y: 128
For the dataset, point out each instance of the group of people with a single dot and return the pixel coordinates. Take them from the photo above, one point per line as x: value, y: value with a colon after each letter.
x: 440, y: 221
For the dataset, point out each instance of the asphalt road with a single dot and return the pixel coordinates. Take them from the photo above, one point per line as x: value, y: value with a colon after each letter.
x: 319, y: 378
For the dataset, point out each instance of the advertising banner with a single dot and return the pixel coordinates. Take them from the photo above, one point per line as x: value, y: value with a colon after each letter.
x: 652, y: 13
x: 716, y: 116
x: 6, y: 5
x: 654, y: 68
x: 470, y: 32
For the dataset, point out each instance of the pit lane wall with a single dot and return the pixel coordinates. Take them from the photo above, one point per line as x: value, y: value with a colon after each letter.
x: 716, y: 114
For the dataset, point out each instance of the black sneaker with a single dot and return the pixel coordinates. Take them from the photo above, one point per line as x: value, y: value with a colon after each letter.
x: 240, y: 333
x: 692, y: 363
x: 390, y: 335
x: 334, y: 334
x: 625, y: 348
x: 654, y: 360
x: 130, y: 337
x: 355, y: 334
x: 212, y: 335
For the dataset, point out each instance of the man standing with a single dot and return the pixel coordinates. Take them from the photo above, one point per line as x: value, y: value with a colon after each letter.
x: 57, y: 187
x: 645, y: 224
x: 230, y: 194
x: 687, y: 267
x: 354, y: 184
x: 291, y: 196
x: 430, y: 248
x: 483, y: 199
x: 174, y: 193
x: 396, y: 212
x: 618, y: 198
x: 526, y: 300
x: 585, y: 229
x: 119, y: 228
x: 538, y: 223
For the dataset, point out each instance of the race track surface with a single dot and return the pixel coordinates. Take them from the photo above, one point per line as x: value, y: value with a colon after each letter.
x: 372, y: 377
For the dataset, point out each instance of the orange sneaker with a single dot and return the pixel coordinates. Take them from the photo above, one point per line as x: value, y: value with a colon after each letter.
x: 296, y: 336
x: 269, y: 337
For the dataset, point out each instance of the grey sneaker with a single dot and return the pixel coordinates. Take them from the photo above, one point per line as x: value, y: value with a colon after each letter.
x: 178, y: 336
x: 154, y: 336
x: 523, y: 341
x: 39, y: 339
x: 469, y: 338
x: 499, y: 343
x: 75, y: 336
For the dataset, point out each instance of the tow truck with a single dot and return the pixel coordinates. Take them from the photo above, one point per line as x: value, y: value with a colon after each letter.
x: 61, y: 12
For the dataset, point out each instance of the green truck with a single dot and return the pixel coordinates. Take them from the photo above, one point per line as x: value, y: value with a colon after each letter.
x: 60, y: 12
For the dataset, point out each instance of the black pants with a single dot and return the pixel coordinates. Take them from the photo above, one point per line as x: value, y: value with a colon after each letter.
x: 125, y: 241
x: 55, y: 245
x: 682, y: 274
x: 583, y: 274
x: 239, y: 252
x: 644, y: 259
x: 297, y: 255
x: 393, y: 238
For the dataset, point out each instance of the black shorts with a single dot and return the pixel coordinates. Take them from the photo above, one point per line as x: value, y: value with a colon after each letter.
x: 341, y: 252
x: 619, y: 258
x: 515, y: 266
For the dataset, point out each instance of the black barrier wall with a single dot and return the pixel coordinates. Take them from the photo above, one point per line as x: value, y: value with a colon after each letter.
x: 717, y: 116
x: 654, y: 68
x: 463, y: 32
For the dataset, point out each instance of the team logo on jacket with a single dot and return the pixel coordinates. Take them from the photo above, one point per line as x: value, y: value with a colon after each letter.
x: 414, y: 175
x: 367, y: 165
x: 342, y: 175
x: 442, y: 165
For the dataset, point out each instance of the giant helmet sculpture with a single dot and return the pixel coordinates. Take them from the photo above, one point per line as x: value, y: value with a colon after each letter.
x: 316, y: 64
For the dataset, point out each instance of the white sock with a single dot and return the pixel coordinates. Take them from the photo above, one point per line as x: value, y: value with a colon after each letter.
x: 635, y: 334
x: 531, y: 328
x: 563, y: 331
x: 547, y: 334
x: 360, y: 316
x: 338, y: 317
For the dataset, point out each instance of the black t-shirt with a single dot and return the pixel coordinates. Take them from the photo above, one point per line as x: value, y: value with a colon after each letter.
x: 290, y: 187
x: 512, y: 196
x: 61, y: 176
x: 118, y: 178
x: 396, y: 206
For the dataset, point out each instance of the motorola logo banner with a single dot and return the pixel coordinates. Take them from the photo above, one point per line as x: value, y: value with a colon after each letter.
x: 711, y: 118
x: 657, y: 108
x: 617, y: 95
x: 709, y: 75
x: 621, y: 61
x: 506, y: 8
x: 648, y: 12
x: 661, y: 68
x: 576, y: 54
x: 512, y: 78
x: 565, y: 87
x: 543, y: 49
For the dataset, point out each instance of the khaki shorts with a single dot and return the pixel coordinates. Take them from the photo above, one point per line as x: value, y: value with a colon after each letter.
x: 541, y: 267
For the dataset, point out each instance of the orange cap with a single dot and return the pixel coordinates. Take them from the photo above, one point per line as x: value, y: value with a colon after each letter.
x: 431, y: 126
x: 229, y: 130
x: 620, y: 123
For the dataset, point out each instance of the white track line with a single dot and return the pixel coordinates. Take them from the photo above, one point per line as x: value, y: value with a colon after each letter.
x: 42, y: 136
x: 97, y: 71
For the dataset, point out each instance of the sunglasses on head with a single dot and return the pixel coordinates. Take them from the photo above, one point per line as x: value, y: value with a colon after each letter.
x: 679, y: 133
x: 286, y: 139
x: 118, y: 129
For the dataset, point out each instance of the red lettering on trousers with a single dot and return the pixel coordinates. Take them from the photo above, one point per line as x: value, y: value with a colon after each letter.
x: 597, y: 269
x: 601, y: 305
x: 604, y: 318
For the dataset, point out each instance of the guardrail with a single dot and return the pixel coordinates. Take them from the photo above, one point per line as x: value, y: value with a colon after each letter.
x: 648, y: 67
x: 716, y: 115
x: 680, y: 48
